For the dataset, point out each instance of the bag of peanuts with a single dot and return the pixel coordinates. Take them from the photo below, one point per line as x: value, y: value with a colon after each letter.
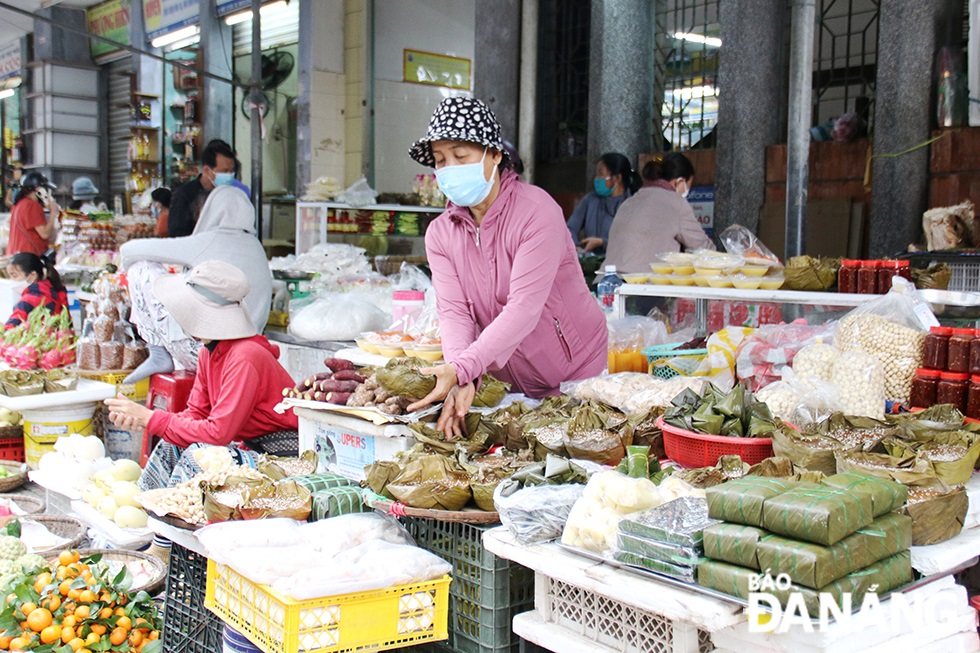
x: 892, y: 328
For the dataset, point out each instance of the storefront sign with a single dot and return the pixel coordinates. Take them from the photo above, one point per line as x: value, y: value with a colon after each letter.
x: 165, y: 16
x: 437, y: 69
x: 111, y: 20
x: 702, y: 201
x: 10, y: 60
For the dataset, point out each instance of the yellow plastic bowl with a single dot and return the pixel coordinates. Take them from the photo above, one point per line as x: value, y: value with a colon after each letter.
x: 367, y: 345
x: 390, y: 350
x: 708, y: 272
x: 701, y: 280
x: 743, y: 282
x: 682, y: 281
x: 771, y: 283
x: 719, y: 281
x: 662, y: 268
x: 661, y: 279
x: 684, y: 270
x: 636, y: 278
x: 754, y: 270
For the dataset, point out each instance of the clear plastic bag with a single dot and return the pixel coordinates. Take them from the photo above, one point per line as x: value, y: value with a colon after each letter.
x: 535, y: 514
x: 331, y: 536
x: 337, y: 316
x: 740, y: 241
x: 815, y: 361
x: 892, y: 328
x: 801, y: 400
x: 765, y: 354
x: 221, y: 538
x: 860, y: 378
x: 358, y: 194
x: 410, y: 277
x: 426, y: 327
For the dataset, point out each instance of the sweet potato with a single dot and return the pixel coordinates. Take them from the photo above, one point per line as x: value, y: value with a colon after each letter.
x: 338, y: 364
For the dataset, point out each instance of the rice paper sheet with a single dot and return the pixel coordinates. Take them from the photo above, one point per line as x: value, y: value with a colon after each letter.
x: 333, y: 502
x: 664, y: 551
x: 680, y: 521
x: 885, y: 495
x: 734, y: 543
x: 820, y: 514
x: 815, y: 566
x: 740, y: 500
x: 685, y: 573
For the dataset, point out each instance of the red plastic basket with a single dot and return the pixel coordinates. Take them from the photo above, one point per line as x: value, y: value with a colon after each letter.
x: 12, y: 448
x: 691, y: 450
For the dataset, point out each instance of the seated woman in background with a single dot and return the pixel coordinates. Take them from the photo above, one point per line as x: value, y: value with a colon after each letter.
x: 160, y: 206
x: 657, y: 219
x: 44, y: 286
x: 239, y: 379
x: 614, y: 183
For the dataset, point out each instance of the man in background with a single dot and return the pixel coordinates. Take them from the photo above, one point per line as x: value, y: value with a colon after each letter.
x: 219, y: 165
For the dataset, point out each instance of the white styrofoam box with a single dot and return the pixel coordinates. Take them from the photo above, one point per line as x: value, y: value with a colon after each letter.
x: 10, y: 292
x: 66, y: 150
x: 953, y: 553
x: 64, y: 113
x: 972, y: 487
x: 66, y: 80
x: 344, y: 445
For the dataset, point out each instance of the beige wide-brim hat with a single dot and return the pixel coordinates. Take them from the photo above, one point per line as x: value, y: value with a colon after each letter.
x: 207, y: 301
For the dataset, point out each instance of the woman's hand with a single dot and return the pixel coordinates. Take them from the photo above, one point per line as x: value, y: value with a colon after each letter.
x: 589, y: 244
x: 445, y: 381
x: 452, y: 419
x: 127, y: 414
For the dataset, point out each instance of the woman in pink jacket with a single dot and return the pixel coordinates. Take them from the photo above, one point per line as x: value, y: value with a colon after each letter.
x: 510, y: 293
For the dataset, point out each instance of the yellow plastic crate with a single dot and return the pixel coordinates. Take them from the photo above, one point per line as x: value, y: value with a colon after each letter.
x: 378, y: 620
x: 136, y: 391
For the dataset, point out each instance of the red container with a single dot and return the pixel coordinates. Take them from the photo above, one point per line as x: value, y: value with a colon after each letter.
x: 168, y: 392
x: 12, y: 449
x: 847, y: 276
x: 692, y: 450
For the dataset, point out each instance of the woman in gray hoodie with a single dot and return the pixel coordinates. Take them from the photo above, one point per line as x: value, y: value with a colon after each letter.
x: 225, y: 232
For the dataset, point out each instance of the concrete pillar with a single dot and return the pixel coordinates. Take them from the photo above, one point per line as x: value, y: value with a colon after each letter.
x: 219, y: 97
x: 528, y: 104
x: 904, y: 115
x: 497, y: 68
x: 620, y: 65
x: 55, y: 44
x: 751, y: 110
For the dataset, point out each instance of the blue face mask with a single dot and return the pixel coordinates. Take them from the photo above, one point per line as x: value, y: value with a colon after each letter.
x: 600, y: 187
x: 224, y: 178
x: 465, y: 185
x: 155, y: 211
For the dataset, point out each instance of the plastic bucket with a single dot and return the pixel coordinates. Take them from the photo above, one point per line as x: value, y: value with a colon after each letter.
x: 42, y: 427
x: 120, y: 443
x: 233, y: 641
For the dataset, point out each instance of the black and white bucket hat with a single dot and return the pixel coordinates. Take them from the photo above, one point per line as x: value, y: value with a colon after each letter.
x: 458, y: 119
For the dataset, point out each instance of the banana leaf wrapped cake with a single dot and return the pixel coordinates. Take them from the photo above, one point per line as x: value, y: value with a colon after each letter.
x: 734, y: 543
x: 741, y: 500
x: 818, y: 514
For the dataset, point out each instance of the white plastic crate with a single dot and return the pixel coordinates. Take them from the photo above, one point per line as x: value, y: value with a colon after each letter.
x: 966, y: 276
x: 344, y: 444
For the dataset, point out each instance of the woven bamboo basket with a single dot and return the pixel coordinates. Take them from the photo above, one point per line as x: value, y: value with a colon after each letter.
x: 63, y: 526
x: 151, y: 587
x: 30, y: 505
x: 16, y: 478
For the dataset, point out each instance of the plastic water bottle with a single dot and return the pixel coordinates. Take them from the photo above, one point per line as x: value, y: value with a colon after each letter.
x: 606, y: 289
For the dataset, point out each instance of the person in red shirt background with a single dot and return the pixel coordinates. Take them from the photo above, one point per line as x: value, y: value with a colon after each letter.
x: 30, y: 230
x: 43, y: 286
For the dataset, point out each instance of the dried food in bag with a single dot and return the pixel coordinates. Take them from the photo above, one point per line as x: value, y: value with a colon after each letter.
x: 134, y: 355
x: 860, y: 377
x: 111, y: 355
x: 21, y: 383
x: 89, y: 357
x: 103, y: 328
x: 535, y: 513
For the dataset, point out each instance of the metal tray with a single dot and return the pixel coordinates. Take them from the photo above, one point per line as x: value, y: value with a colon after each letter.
x: 954, y: 305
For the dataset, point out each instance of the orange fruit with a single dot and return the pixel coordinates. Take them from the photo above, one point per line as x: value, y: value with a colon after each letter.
x: 73, y: 594
x: 118, y: 636
x: 124, y: 622
x: 135, y: 638
x: 105, y: 597
x: 67, y: 633
x: 5, y: 643
x: 65, y: 587
x: 98, y: 629
x: 27, y: 608
x: 119, y: 612
x: 154, y: 635
x: 76, y: 643
x: 84, y: 650
x: 52, y: 602
x: 92, y: 638
x: 39, y: 619
x: 68, y: 557
x: 82, y: 612
x: 19, y: 643
x: 69, y: 621
x: 43, y: 580
x: 105, y: 613
x: 50, y: 635
x: 87, y: 596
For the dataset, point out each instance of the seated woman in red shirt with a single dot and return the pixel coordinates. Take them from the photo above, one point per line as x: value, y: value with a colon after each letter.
x: 44, y: 286
x: 239, y: 379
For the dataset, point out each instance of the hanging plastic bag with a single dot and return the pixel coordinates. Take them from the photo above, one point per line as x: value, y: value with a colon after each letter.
x: 332, y: 317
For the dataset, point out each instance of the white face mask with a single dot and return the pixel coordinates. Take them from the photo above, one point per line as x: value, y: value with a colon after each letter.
x: 687, y: 189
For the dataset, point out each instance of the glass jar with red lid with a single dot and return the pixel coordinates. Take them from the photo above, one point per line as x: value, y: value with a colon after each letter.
x: 924, y: 386
x: 886, y: 270
x: 937, y: 348
x: 867, y: 278
x: 973, y: 398
x: 951, y: 389
x: 904, y: 270
x: 847, y: 280
x: 958, y: 353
